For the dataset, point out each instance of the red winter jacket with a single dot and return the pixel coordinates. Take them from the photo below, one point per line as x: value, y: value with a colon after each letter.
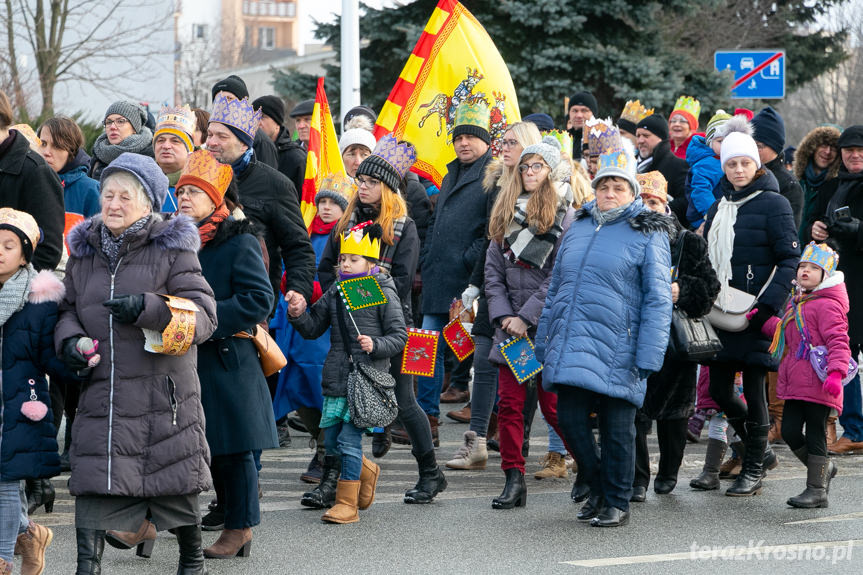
x: 826, y: 319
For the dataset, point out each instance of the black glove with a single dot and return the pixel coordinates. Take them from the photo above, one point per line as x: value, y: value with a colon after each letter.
x: 764, y: 313
x: 125, y: 308
x: 846, y: 229
x: 73, y: 358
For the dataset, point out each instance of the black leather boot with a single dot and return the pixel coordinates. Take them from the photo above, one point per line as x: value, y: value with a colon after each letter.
x: 324, y: 493
x: 381, y: 442
x: 431, y: 482
x: 671, y: 434
x: 39, y: 492
x: 815, y: 494
x: 590, y: 509
x: 709, y: 478
x: 803, y: 455
x: 91, y: 544
x: 580, y: 489
x: 514, y: 492
x: 749, y: 481
x: 191, y: 552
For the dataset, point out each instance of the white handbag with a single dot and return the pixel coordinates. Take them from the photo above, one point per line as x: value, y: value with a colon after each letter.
x: 731, y: 314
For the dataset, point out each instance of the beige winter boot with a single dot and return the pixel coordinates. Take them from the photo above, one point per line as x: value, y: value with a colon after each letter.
x: 368, y: 483
x: 472, y: 455
x: 32, y: 544
x: 553, y: 466
x: 345, y: 509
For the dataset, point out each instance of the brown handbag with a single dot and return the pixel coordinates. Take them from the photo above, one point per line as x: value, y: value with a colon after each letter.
x: 271, y: 356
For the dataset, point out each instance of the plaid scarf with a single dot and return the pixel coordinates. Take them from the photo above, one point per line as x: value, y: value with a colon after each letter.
x: 364, y: 213
x: 523, y: 245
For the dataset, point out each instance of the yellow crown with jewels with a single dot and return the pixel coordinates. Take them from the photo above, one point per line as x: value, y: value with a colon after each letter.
x: 689, y: 107
x: 635, y: 112
x: 359, y: 242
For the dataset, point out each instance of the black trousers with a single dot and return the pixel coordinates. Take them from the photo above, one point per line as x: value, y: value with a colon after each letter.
x: 671, y: 435
x: 754, y: 410
x: 795, y: 415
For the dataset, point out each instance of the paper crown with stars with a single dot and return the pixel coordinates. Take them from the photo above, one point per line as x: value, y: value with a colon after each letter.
x: 822, y: 256
x: 363, y: 240
x: 237, y: 114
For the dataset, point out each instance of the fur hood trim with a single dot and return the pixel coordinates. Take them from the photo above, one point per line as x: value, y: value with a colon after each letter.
x: 493, y: 173
x: 646, y: 221
x: 175, y: 233
x: 822, y: 136
x: 834, y: 280
x: 46, y: 287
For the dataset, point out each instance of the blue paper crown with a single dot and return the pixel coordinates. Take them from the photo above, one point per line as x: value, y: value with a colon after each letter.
x: 822, y: 256
x: 611, y: 151
x: 401, y: 156
x: 236, y: 113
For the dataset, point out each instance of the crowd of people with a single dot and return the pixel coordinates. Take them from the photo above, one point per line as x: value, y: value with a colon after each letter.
x: 136, y: 283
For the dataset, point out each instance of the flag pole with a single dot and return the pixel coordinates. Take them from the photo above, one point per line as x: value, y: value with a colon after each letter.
x: 350, y: 315
x: 350, y: 64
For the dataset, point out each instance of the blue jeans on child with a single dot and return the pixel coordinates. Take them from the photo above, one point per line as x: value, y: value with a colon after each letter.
x: 346, y: 439
x: 851, y: 419
x: 429, y: 388
x: 13, y: 520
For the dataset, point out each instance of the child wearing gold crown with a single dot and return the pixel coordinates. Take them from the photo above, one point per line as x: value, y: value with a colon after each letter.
x: 380, y: 334
x: 812, y: 338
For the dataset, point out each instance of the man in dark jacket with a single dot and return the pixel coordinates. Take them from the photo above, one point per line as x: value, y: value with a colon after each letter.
x: 582, y: 107
x: 455, y: 236
x: 769, y: 135
x: 838, y: 219
x: 654, y: 153
x: 302, y: 115
x: 267, y: 196
x: 234, y: 87
x: 816, y: 162
x: 30, y: 185
x: 292, y: 156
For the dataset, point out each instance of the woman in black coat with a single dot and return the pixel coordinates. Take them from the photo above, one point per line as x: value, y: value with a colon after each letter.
x: 234, y: 391
x: 753, y: 246
x: 670, y: 396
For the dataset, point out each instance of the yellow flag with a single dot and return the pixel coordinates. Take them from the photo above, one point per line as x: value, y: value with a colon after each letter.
x: 323, y: 157
x: 454, y: 61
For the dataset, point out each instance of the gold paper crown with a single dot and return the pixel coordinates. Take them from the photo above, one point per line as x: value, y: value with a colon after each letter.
x: 635, y: 112
x: 653, y: 184
x: 204, y: 171
x: 689, y: 107
x: 26, y: 131
x: 354, y: 241
x: 21, y: 221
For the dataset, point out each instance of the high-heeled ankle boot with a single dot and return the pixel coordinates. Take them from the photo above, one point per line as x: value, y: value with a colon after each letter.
x: 514, y: 492
x: 191, y: 554
x: 324, y: 493
x: 431, y: 482
x: 144, y: 539
x: 91, y: 544
x: 39, y: 492
x: 231, y: 543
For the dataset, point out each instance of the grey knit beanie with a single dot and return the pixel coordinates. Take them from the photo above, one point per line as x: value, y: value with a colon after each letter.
x: 133, y: 112
x: 146, y: 170
x: 548, y: 149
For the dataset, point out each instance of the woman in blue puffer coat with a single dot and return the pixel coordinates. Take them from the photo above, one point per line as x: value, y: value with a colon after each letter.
x: 604, y: 329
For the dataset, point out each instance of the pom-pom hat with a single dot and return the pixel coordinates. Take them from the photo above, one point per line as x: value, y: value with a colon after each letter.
x: 736, y: 145
x: 204, y: 171
x: 390, y: 161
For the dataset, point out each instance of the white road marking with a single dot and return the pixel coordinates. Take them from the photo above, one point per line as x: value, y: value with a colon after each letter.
x: 844, y: 517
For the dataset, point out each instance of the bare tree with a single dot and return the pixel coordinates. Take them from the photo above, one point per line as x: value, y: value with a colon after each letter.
x: 197, y: 57
x: 93, y: 41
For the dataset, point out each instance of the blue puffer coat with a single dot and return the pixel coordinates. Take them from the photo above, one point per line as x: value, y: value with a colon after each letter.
x: 28, y: 449
x: 765, y: 237
x: 704, y: 173
x: 608, y: 309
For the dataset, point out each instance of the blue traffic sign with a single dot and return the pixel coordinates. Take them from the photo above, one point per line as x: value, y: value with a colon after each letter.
x: 757, y: 74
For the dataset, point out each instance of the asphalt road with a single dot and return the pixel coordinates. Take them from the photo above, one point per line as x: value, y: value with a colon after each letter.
x: 685, y: 532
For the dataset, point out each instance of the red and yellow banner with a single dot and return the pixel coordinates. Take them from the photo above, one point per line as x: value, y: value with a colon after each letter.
x: 454, y: 61
x: 323, y: 155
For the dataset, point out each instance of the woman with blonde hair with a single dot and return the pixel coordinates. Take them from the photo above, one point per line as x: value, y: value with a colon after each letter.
x: 528, y: 220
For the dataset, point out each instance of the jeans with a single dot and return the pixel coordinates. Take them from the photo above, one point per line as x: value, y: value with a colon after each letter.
x: 555, y: 441
x: 411, y: 416
x: 236, y: 482
x: 13, y: 520
x: 346, y: 439
x: 851, y: 419
x: 510, y: 416
x: 429, y: 388
x: 609, y: 473
x: 484, y: 386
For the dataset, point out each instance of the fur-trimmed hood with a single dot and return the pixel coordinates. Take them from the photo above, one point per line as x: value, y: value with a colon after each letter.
x: 174, y: 233
x: 492, y: 175
x: 46, y: 287
x: 644, y: 221
x: 821, y: 136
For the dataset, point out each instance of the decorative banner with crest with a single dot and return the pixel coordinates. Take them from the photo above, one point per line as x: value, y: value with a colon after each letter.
x: 519, y: 356
x: 420, y: 352
x: 458, y: 339
x: 362, y: 292
x: 454, y: 61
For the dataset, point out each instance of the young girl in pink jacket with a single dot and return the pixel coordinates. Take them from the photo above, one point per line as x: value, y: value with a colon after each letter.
x: 815, y: 320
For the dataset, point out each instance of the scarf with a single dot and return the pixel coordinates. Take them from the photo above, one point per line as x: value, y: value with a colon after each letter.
x: 366, y: 212
x: 208, y: 227
x: 322, y: 228
x: 810, y: 184
x: 523, y: 244
x: 848, y: 183
x: 343, y: 276
x: 720, y: 241
x: 794, y: 311
x: 242, y: 162
x: 608, y: 216
x: 111, y: 245
x: 644, y: 165
x: 107, y: 152
x: 13, y: 293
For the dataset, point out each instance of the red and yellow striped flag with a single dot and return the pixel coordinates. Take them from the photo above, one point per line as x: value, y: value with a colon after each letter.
x: 323, y: 156
x: 454, y: 61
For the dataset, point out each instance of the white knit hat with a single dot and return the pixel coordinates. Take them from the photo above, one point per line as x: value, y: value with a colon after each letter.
x: 736, y: 145
x: 358, y: 136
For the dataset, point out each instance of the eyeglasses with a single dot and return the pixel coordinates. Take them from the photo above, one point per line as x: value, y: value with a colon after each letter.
x: 184, y: 191
x: 535, y: 167
x: 678, y: 120
x: 367, y: 182
x: 119, y: 122
x: 508, y: 143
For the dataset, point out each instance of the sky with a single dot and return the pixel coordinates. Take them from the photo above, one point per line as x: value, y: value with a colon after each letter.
x: 326, y: 10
